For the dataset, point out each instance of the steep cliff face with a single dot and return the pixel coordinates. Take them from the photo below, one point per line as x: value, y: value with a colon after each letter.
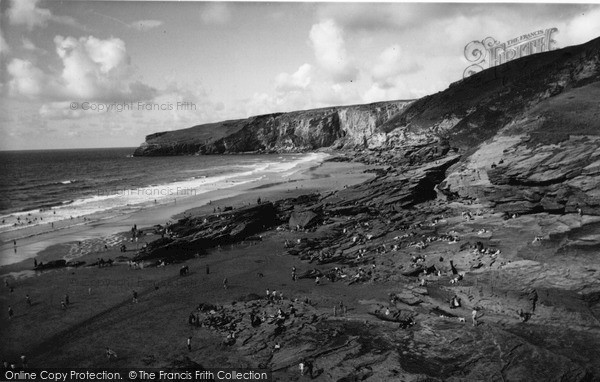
x: 347, y: 126
x: 528, y: 132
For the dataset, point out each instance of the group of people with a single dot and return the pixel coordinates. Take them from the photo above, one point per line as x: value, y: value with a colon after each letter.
x: 13, y: 366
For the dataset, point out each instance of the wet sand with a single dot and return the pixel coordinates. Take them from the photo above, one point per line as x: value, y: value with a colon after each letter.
x: 327, y: 176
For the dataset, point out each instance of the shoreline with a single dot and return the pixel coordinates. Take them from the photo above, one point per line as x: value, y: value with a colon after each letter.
x: 324, y: 176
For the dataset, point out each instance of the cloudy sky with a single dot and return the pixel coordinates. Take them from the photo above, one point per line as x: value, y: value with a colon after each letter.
x: 233, y: 60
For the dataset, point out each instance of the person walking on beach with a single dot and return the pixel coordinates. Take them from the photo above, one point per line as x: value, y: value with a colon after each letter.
x: 474, y: 316
x: 11, y: 313
x: 135, y: 297
x: 225, y: 283
x: 28, y: 299
x: 189, y: 343
x: 67, y: 299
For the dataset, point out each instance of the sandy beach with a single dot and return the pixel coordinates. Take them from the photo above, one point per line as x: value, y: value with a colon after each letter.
x: 100, y: 309
x: 32, y: 240
x: 343, y: 281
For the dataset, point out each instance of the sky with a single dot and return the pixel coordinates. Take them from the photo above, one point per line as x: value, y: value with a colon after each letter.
x: 79, y: 74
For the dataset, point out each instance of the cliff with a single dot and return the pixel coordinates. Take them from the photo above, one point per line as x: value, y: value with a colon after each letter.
x: 346, y: 126
x: 527, y: 132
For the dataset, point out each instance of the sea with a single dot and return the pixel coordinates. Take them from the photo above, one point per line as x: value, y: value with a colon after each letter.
x: 46, y: 186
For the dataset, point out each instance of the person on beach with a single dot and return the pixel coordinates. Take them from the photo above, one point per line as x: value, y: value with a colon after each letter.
x: 28, y: 299
x: 110, y: 353
x: 207, y: 269
x: 67, y: 299
x: 309, y: 367
x: 23, y: 361
x: 35, y: 263
x: 301, y: 366
x: 225, y: 283
x: 63, y: 306
x: 11, y: 313
x: 317, y: 280
x: 189, y: 343
x: 135, y: 297
x: 474, y: 316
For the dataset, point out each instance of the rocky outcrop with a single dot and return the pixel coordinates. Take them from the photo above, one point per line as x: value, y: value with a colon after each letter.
x: 344, y: 126
x: 528, y: 132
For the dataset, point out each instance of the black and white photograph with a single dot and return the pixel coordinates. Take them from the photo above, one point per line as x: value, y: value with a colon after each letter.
x: 298, y: 191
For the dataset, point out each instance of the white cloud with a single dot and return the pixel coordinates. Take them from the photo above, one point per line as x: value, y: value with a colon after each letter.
x: 59, y: 111
x: 390, y: 64
x: 4, y: 47
x: 216, y: 13
x: 27, y: 79
x: 330, y: 51
x: 26, y: 12
x: 296, y: 81
x: 28, y: 44
x: 580, y: 29
x: 145, y: 25
x: 93, y: 70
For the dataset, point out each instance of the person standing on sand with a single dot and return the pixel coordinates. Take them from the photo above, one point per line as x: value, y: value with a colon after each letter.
x: 474, y: 316
x: 309, y: 367
x: 11, y: 313
x: 110, y: 353
x: 189, y: 343
x: 28, y: 299
x: 207, y: 269
x: 135, y: 297
x: 67, y: 299
x: 225, y: 283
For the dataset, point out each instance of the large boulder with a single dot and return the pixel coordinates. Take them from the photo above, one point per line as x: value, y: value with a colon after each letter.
x: 304, y: 219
